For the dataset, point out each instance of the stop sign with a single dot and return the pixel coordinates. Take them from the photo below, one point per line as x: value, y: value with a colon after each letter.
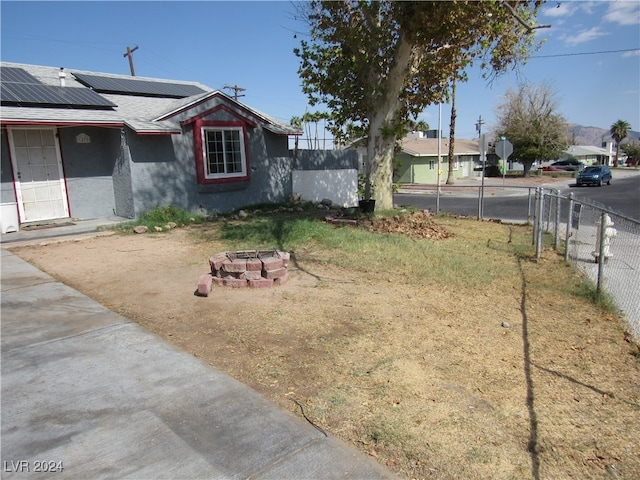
x: 504, y: 148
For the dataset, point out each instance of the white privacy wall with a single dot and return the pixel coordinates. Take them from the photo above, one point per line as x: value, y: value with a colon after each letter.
x: 339, y: 186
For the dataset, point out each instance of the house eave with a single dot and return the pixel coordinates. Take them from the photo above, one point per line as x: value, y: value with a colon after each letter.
x: 59, y: 123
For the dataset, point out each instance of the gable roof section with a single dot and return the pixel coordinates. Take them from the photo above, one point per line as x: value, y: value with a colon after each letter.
x: 239, y: 109
x: 428, y: 147
x: 152, y: 112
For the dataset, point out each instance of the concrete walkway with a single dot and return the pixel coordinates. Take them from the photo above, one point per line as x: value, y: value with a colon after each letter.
x: 93, y: 395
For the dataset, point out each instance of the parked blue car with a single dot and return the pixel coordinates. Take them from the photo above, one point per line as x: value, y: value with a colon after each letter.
x: 594, y: 175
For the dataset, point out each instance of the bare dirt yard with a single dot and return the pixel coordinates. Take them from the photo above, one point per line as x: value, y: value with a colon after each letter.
x: 511, y: 377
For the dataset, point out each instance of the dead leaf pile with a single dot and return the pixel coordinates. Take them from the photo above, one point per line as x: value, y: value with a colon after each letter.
x: 417, y: 225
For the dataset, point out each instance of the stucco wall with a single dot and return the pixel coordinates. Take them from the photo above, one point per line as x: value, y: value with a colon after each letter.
x: 163, y: 172
x: 88, y: 169
x: 270, y: 175
x: 122, y: 183
x: 325, y: 159
x: 339, y: 186
x: 158, y: 178
x: 326, y: 174
x: 163, y: 169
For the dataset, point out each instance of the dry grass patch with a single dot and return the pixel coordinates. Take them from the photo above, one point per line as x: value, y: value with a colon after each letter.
x: 453, y: 358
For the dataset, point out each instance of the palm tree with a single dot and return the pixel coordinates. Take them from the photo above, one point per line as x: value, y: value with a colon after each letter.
x: 421, y: 126
x: 619, y: 131
x: 298, y: 123
x: 452, y: 132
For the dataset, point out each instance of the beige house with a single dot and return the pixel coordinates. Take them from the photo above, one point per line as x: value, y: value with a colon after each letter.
x: 589, y: 155
x: 417, y: 161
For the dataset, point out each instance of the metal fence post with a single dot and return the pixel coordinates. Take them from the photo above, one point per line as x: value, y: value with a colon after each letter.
x: 556, y: 243
x: 601, y: 258
x: 481, y: 200
x: 569, y: 224
x: 548, y: 215
x: 540, y: 223
x: 529, y: 205
x: 536, y: 213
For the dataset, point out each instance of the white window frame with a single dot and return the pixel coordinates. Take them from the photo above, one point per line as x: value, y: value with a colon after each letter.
x: 205, y: 152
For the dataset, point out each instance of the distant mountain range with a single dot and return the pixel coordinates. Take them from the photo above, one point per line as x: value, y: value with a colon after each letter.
x: 579, y: 135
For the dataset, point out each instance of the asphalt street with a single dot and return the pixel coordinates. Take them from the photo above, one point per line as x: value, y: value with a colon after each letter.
x: 516, y: 203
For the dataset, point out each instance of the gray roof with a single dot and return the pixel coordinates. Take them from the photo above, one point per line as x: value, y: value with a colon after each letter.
x: 143, y: 114
x: 428, y: 147
x: 586, y: 151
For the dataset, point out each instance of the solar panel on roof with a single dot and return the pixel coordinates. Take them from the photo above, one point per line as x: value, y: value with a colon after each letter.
x: 39, y: 94
x: 17, y: 75
x: 131, y: 86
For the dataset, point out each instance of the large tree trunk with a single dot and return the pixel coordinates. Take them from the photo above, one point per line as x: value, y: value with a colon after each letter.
x: 383, y: 129
x: 380, y: 149
x: 527, y: 164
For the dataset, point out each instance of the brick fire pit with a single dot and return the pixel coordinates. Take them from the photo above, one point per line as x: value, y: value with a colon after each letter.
x: 245, y: 268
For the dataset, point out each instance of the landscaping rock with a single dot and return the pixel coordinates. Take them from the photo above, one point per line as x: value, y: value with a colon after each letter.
x: 205, y: 284
x: 140, y: 229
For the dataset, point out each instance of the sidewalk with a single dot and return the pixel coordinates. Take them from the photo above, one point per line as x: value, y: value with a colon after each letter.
x: 52, y: 230
x: 93, y: 395
x: 470, y: 186
x: 510, y: 186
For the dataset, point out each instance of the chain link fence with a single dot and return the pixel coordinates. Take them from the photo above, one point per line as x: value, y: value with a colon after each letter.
x: 575, y: 226
x: 601, y: 243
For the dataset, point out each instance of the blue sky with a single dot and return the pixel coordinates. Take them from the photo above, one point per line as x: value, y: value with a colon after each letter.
x: 591, y: 57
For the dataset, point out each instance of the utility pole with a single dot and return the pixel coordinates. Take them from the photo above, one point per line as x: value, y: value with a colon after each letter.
x: 439, y: 158
x: 235, y: 89
x: 129, y: 53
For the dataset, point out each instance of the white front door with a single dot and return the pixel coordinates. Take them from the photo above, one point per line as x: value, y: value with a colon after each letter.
x: 37, y: 167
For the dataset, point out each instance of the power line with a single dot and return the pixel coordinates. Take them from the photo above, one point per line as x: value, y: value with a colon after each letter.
x: 586, y: 53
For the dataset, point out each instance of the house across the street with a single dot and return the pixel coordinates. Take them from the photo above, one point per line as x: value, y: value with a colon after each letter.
x: 589, y: 154
x: 79, y: 144
x: 417, y: 161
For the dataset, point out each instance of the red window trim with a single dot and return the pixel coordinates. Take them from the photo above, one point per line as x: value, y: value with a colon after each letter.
x: 202, y: 115
x: 199, y: 151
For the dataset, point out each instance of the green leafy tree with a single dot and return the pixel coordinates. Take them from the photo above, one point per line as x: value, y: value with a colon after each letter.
x: 619, y: 131
x: 632, y: 150
x: 378, y: 64
x: 529, y: 118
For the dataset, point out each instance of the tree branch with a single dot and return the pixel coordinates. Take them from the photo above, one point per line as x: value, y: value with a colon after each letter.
x: 515, y: 15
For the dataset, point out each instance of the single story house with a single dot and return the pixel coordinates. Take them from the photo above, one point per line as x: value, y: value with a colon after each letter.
x: 589, y: 154
x: 80, y: 144
x: 417, y: 161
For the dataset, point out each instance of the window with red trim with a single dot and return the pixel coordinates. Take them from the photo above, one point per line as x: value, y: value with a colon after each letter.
x: 220, y: 151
